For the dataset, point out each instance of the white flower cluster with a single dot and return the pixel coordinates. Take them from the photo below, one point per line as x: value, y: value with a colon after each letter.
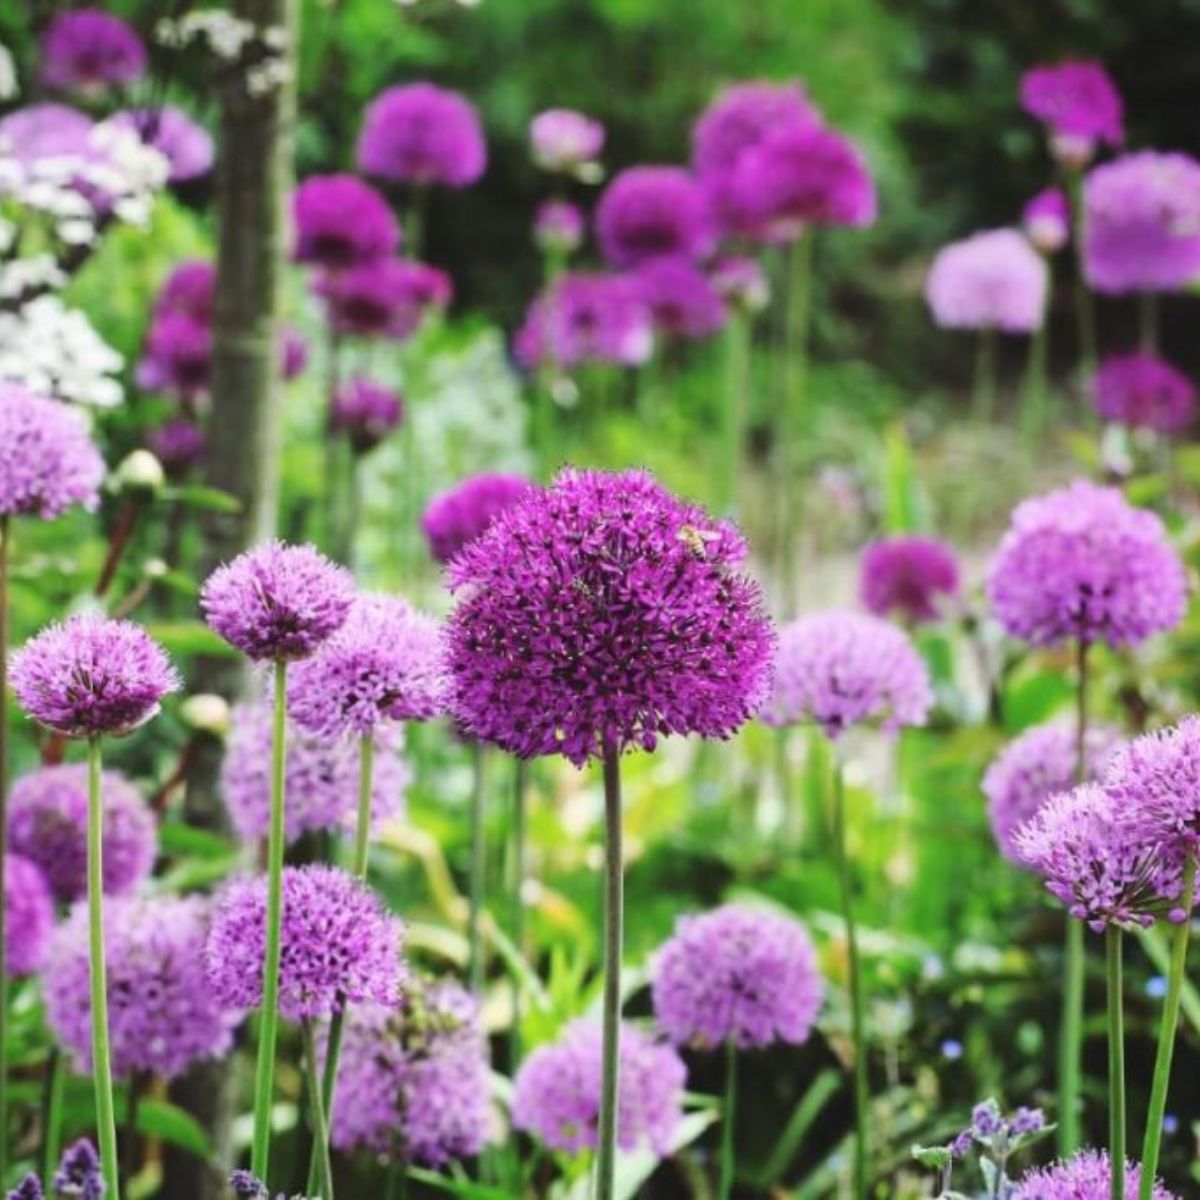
x: 22, y: 276
x: 227, y: 38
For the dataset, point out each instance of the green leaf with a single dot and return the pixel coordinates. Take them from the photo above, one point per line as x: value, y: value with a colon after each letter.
x: 163, y: 1120
x: 209, y: 498
x: 823, y: 1089
x: 176, y: 840
x: 184, y: 638
x: 458, y: 1187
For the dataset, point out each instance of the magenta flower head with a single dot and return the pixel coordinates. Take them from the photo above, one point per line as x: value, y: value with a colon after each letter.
x: 342, y: 222
x: 740, y: 975
x: 177, y: 356
x: 682, y: 301
x: 741, y: 283
x: 648, y: 212
x: 90, y: 676
x: 339, y: 944
x: 28, y: 916
x: 365, y: 412
x: 601, y: 614
x: 47, y: 823
x: 1079, y: 105
x: 422, y: 134
x: 162, y: 1015
x: 388, y: 298
x: 565, y: 141
x: 1154, y: 778
x: 913, y: 576
x: 741, y: 117
x: 277, y: 601
x: 1046, y: 220
x: 179, y: 445
x: 991, y: 280
x: 558, y: 227
x: 460, y: 515
x: 190, y: 289
x: 556, y: 1094
x: 1087, y: 1175
x: 1082, y: 563
x: 48, y: 462
x: 1144, y: 391
x: 187, y: 147
x: 89, y: 50
x: 839, y: 669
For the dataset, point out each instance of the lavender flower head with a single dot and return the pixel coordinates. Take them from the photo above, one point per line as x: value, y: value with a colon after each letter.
x: 840, y: 669
x: 648, y: 212
x: 28, y: 915
x: 558, y: 228
x: 741, y: 283
x: 910, y: 575
x: 1087, y: 1175
x: 48, y: 462
x: 277, y: 601
x: 556, y: 1094
x: 365, y: 412
x: 1144, y: 391
x: 459, y: 515
x: 47, y: 823
x: 342, y: 222
x: 387, y: 298
x: 1156, y: 778
x: 89, y: 50
x: 1046, y: 220
x: 339, y: 944
x: 1080, y: 106
x: 36, y: 132
x: 179, y: 445
x: 79, y: 1172
x: 739, y: 975
x: 991, y: 280
x: 187, y: 147
x: 565, y: 141
x: 601, y: 614
x: 682, y: 301
x: 1082, y: 563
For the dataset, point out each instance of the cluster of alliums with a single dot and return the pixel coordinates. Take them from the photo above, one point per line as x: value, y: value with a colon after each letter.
x: 915, y: 577
x: 458, y: 516
x: 1087, y: 1175
x: 1078, y: 104
x: 993, y: 280
x: 28, y: 916
x: 1144, y: 391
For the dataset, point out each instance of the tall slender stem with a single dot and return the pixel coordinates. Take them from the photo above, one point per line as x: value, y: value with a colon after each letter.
x: 316, y: 1104
x: 475, y: 972
x: 798, y: 300
x: 519, y: 867
x: 1034, y: 415
x: 728, y: 1124
x: 1085, y: 304
x: 733, y: 432
x: 1116, y: 1061
x: 5, y: 556
x: 52, y: 1102
x: 985, y: 375
x: 133, y: 1102
x: 1148, y: 322
x: 414, y: 221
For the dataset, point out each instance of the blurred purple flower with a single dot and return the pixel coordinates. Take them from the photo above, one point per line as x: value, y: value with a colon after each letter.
x: 293, y: 353
x: 187, y: 146
x: 342, y: 222
x: 1078, y: 103
x: 177, y: 356
x: 558, y: 228
x: 1144, y: 391
x: 459, y: 515
x: 190, y: 290
x: 649, y: 212
x: 741, y: 283
x: 79, y: 1172
x: 1046, y: 220
x: 564, y: 140
x: 88, y: 50
x: 682, y: 301
x: 366, y: 412
x: 991, y: 280
x: 28, y: 915
x: 388, y: 298
x: 913, y: 576
x: 179, y: 445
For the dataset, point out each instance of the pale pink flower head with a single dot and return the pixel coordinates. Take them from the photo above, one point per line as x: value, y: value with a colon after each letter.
x: 1080, y: 106
x: 1046, y: 220
x: 559, y: 227
x: 565, y: 141
x: 991, y: 280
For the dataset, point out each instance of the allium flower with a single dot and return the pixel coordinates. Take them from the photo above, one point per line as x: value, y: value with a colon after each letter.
x: 365, y: 411
x: 741, y: 283
x: 1144, y: 391
x: 79, y: 1172
x: 556, y: 1094
x: 910, y: 575
x: 1046, y: 220
x: 162, y: 1015
x: 741, y: 117
x: 991, y: 280
x: 339, y: 944
x: 28, y: 915
x: 177, y: 356
x: 190, y: 289
x: 187, y: 147
x: 277, y: 601
x: 179, y: 445
x: 839, y: 669
x: 89, y: 49
x: 413, y: 1082
x: 1086, y: 1176
x: 646, y: 212
x: 422, y: 134
x: 1082, y: 563
x: 389, y: 298
x: 558, y: 227
x: 564, y: 140
x: 47, y: 460
x: 47, y: 823
x: 342, y: 222
x: 1156, y: 778
x: 459, y: 515
x: 682, y: 301
x: 737, y: 974
x: 89, y: 676
x: 1078, y: 103
x: 603, y: 613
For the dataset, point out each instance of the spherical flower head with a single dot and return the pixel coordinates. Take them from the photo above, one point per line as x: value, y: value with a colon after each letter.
x: 365, y: 412
x: 187, y: 146
x: 28, y: 916
x: 278, y: 601
x: 740, y: 117
x: 177, y: 356
x: 741, y: 283
x: 47, y: 823
x: 293, y: 353
x: 1156, y: 778
x: 648, y: 212
x: 89, y: 50
x: 556, y: 1094
x: 90, y: 676
x: 1087, y: 1176
x: 422, y: 134
x: 739, y: 975
x: 682, y: 301
x: 912, y: 576
x: 603, y: 613
x: 342, y: 222
x: 1046, y: 220
x: 991, y: 280
x: 565, y: 141
x: 459, y: 515
x: 1081, y: 563
x: 48, y: 462
x: 1078, y: 103
x: 1144, y: 391
x: 162, y: 1015
x: 339, y: 944
x: 190, y: 289
x: 179, y: 445
x: 558, y: 227
x: 841, y: 669
x: 1141, y: 227
x: 388, y: 298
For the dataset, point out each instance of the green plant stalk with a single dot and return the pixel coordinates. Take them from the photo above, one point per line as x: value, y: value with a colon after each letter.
x: 519, y: 867
x: 733, y: 430
x: 798, y: 311
x: 52, y: 1104
x: 728, y: 1117
x: 1148, y: 322
x: 5, y: 557
x: 1033, y: 417
x: 414, y: 222
x: 1085, y: 304
x: 477, y: 883
x: 984, y: 391
x: 1116, y: 1060
x: 320, y: 1125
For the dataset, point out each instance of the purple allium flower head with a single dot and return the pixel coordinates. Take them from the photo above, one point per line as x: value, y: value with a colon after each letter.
x: 89, y: 676
x: 162, y: 1015
x: 179, y: 445
x: 1144, y: 391
x: 30, y: 1188
x: 1087, y: 1176
x: 293, y: 353
x: 556, y: 1094
x: 79, y: 1172
x: 740, y: 118
x: 90, y: 49
x: 389, y: 298
x: 47, y: 823
x: 177, y: 356
x: 342, y: 222
x: 681, y: 299
x: 1046, y: 220
x: 459, y: 515
x: 413, y: 1081
x: 839, y: 669
x: 339, y: 944
x: 737, y: 974
x: 648, y: 212
x: 1078, y: 103
x: 1141, y: 227
x: 187, y: 147
x: 28, y: 915
x: 564, y: 140
x: 558, y: 227
x: 909, y: 575
x: 1082, y: 563
x: 190, y: 289
x: 991, y: 280
x: 278, y: 601
x: 604, y: 613
x: 741, y: 283
x: 365, y: 411
x: 1156, y: 778
x: 422, y: 134
x: 48, y: 462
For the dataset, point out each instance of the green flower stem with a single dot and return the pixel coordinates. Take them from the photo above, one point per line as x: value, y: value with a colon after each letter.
x: 519, y: 867
x: 475, y: 962
x: 320, y: 1126
x: 792, y: 403
x: 1148, y: 322
x: 1033, y: 417
x: 52, y: 1104
x: 985, y: 375
x: 733, y: 432
x: 1116, y: 1061
x: 728, y: 1120
x: 5, y: 556
x: 1085, y: 304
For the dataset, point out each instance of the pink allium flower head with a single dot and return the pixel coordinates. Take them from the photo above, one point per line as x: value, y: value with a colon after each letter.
x: 839, y: 669
x: 293, y: 353
x: 649, y: 212
x: 177, y: 356
x: 278, y: 601
x: 47, y: 130
x: 322, y: 777
x: 190, y: 289
x: 1141, y: 227
x: 741, y: 117
x: 564, y: 140
x: 913, y: 576
x: 741, y: 283
x: 1087, y: 1176
x: 413, y: 1082
x: 366, y: 412
x: 459, y: 515
x: 1046, y: 220
x: 556, y: 1094
x: 389, y: 298
x: 179, y: 445
x: 558, y: 227
x: 1144, y: 391
x: 422, y: 134
x: 187, y: 147
x: 682, y: 301
x: 339, y: 944
x: 47, y: 823
x: 89, y: 49
x: 1156, y: 779
x: 740, y: 975
x: 89, y: 676
x: 1082, y: 563
x: 991, y: 280
x: 28, y: 916
x: 1078, y: 103
x: 342, y: 222
x: 602, y: 612
x: 48, y: 462
x: 162, y: 1015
